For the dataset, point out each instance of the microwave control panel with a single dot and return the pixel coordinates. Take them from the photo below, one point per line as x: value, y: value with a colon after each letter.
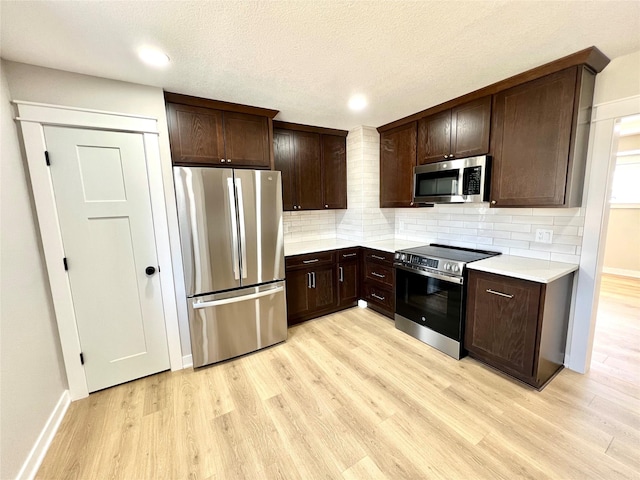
x: 471, y: 180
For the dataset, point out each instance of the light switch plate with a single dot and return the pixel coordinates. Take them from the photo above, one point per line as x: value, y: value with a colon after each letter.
x: 544, y: 236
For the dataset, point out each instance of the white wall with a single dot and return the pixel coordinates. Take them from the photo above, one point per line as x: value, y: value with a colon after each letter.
x: 44, y: 85
x: 620, y: 79
x: 32, y: 377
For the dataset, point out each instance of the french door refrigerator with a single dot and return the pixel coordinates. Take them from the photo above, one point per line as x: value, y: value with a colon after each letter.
x: 232, y: 238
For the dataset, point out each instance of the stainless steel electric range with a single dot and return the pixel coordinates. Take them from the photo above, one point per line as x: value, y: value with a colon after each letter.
x: 431, y: 295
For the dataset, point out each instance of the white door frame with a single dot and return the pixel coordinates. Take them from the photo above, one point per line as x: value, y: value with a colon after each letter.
x: 32, y: 117
x: 600, y: 164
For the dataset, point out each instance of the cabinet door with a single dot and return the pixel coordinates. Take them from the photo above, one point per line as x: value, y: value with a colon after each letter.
x: 531, y: 134
x: 397, y: 159
x: 470, y: 124
x: 308, y: 171
x: 196, y: 135
x: 299, y: 298
x: 324, y: 291
x: 348, y: 283
x: 434, y: 137
x: 502, y: 321
x: 334, y: 168
x: 283, y: 155
x: 246, y: 140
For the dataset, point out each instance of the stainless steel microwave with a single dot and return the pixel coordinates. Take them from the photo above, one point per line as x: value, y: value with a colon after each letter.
x: 464, y: 180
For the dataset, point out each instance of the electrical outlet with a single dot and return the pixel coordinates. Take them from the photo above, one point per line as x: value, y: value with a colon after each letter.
x: 544, y: 236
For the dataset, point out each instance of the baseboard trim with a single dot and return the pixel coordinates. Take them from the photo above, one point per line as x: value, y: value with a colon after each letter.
x: 40, y: 448
x: 187, y: 361
x: 622, y: 272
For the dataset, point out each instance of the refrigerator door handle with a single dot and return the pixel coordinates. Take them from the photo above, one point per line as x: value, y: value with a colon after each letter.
x: 243, y: 298
x: 234, y: 228
x: 243, y: 236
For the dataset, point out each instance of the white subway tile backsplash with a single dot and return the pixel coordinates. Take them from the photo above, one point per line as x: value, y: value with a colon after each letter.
x: 532, y: 219
x: 560, y: 257
x: 529, y: 253
x: 512, y: 227
x: 511, y: 243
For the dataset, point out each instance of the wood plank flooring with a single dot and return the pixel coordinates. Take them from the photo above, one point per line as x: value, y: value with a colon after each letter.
x: 350, y: 397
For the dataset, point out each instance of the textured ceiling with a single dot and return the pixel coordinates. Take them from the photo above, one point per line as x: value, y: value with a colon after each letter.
x: 305, y: 58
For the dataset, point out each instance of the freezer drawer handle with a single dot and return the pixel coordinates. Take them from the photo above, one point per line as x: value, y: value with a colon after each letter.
x: 499, y: 293
x: 225, y: 301
x: 310, y: 261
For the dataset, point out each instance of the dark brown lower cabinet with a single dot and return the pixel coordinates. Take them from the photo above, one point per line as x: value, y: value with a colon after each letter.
x: 348, y: 277
x: 378, y: 287
x: 517, y: 326
x: 321, y: 283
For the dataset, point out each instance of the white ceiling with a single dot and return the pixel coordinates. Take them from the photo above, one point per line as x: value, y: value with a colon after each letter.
x: 305, y: 58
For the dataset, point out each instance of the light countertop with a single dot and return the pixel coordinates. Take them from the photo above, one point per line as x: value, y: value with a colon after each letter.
x: 541, y: 271
x: 300, y: 248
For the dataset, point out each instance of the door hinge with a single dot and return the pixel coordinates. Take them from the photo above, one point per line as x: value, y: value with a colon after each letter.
x: 46, y: 158
x: 66, y: 265
x: 81, y: 358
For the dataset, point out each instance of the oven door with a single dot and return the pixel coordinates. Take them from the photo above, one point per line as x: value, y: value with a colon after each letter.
x: 430, y: 299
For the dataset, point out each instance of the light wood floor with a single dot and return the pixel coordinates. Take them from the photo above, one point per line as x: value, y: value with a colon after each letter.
x: 350, y: 397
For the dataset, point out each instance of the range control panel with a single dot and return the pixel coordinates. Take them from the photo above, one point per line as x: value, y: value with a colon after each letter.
x: 438, y: 264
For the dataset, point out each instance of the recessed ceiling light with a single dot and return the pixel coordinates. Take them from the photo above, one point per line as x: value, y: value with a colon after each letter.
x: 153, y: 56
x: 357, y: 102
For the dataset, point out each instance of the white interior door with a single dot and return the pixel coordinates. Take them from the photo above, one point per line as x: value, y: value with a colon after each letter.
x: 102, y: 199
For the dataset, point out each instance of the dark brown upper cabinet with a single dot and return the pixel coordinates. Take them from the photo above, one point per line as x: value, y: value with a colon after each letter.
x: 538, y: 136
x: 313, y: 162
x: 539, y: 140
x: 462, y: 131
x: 211, y: 133
x: 397, y: 159
x: 334, y: 169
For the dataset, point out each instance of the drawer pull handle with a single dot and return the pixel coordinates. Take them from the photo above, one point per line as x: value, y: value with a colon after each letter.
x: 375, y: 274
x: 310, y: 261
x: 378, y: 297
x: 347, y: 255
x: 377, y: 257
x: 341, y: 273
x: 499, y: 293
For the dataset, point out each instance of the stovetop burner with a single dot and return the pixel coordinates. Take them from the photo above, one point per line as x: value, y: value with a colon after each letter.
x: 443, y: 258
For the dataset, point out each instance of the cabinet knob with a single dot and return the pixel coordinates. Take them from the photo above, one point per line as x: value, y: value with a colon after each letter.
x: 493, y: 202
x: 450, y: 156
x: 222, y: 160
x: 228, y: 160
x: 326, y: 206
x: 446, y: 156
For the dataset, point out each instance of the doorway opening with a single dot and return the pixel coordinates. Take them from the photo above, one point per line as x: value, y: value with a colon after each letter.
x: 617, y: 332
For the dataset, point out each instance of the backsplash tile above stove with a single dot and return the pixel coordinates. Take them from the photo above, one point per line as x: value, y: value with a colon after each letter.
x: 511, y: 231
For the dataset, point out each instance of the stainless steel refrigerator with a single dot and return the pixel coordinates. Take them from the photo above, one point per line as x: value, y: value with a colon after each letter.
x: 233, y: 255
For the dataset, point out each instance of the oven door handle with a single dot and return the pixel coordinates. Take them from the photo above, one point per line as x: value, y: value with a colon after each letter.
x: 439, y: 276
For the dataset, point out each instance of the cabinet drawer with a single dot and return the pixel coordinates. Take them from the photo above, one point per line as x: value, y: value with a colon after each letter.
x: 383, y: 297
x: 348, y: 254
x: 379, y: 273
x: 309, y: 260
x: 379, y: 256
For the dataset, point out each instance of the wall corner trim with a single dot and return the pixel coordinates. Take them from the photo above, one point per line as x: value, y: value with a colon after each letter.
x: 187, y: 361
x: 39, y: 450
